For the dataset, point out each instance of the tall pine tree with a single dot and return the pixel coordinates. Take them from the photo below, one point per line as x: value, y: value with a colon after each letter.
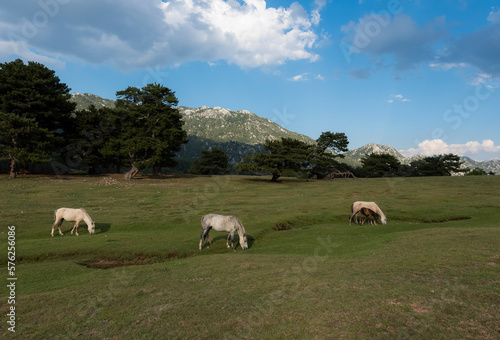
x: 35, y: 109
x: 151, y: 132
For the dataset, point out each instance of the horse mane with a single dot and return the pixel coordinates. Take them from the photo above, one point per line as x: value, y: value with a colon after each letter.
x: 86, y: 214
x: 241, y: 228
x: 380, y: 212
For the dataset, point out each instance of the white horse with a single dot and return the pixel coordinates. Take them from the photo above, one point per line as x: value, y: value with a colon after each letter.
x: 69, y: 214
x: 357, y: 206
x: 229, y: 224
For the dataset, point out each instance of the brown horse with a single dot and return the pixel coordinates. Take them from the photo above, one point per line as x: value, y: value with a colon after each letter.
x: 370, y: 215
x: 373, y: 206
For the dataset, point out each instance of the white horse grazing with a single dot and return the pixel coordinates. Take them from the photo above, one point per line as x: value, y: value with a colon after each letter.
x: 69, y: 214
x: 223, y: 223
x: 357, y: 206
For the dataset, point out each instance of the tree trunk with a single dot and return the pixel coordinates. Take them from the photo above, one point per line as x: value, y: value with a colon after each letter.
x: 156, y: 170
x: 275, y: 177
x: 131, y: 173
x: 12, y: 173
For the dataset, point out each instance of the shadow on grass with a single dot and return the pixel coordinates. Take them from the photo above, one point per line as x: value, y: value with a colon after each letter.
x: 267, y: 179
x: 103, y: 227
x: 250, y: 240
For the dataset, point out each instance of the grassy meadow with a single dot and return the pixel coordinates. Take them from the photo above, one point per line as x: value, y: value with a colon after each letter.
x: 433, y: 272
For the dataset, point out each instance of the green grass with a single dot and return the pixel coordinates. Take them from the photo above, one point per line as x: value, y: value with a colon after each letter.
x: 431, y: 273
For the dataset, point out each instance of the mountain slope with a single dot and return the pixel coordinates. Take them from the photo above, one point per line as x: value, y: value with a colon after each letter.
x: 237, y: 133
x: 488, y: 166
x: 84, y: 100
x: 223, y: 125
x: 353, y: 157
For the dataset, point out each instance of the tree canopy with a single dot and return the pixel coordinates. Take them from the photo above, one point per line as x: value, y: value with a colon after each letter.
x: 287, y: 154
x: 35, y: 110
x: 329, y: 147
x: 211, y: 162
x: 293, y: 156
x: 151, y: 129
x: 380, y: 165
x: 440, y: 165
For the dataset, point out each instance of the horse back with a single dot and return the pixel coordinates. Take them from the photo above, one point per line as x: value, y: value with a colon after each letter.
x: 220, y: 222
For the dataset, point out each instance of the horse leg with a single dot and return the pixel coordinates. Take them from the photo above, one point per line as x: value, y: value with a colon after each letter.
x: 59, y: 227
x: 58, y: 223
x: 203, y: 237
x: 232, y: 240
x: 353, y: 215
x: 363, y: 220
x: 75, y: 228
x: 227, y: 240
x: 53, y: 226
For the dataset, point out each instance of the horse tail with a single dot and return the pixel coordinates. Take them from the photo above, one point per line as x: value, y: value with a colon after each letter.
x: 55, y: 215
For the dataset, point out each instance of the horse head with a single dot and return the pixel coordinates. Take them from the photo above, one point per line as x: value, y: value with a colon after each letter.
x: 243, y: 241
x: 91, y: 228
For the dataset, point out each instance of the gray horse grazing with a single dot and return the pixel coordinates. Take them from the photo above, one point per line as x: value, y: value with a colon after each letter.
x: 229, y: 224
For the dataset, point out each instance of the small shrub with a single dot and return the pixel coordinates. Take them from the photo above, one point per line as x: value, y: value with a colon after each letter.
x: 280, y: 226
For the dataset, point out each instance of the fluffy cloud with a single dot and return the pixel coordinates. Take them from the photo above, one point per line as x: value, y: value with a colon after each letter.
x: 437, y: 146
x: 134, y: 34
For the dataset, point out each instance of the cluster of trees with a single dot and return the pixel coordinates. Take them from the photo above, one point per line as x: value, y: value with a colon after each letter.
x: 39, y: 123
x: 287, y: 156
x: 291, y: 157
x: 386, y: 165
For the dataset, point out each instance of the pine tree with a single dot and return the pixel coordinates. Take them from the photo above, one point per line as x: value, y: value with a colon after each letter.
x: 151, y: 129
x: 35, y: 109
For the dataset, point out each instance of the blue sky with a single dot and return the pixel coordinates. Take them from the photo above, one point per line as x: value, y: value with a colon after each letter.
x: 422, y: 76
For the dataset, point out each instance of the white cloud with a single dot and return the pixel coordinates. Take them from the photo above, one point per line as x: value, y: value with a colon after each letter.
x: 486, y: 148
x: 299, y: 77
x: 306, y: 76
x: 398, y: 98
x: 494, y: 16
x: 135, y: 34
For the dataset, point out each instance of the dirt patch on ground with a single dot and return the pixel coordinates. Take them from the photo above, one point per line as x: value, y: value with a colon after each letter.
x: 461, y: 218
x: 137, y: 260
